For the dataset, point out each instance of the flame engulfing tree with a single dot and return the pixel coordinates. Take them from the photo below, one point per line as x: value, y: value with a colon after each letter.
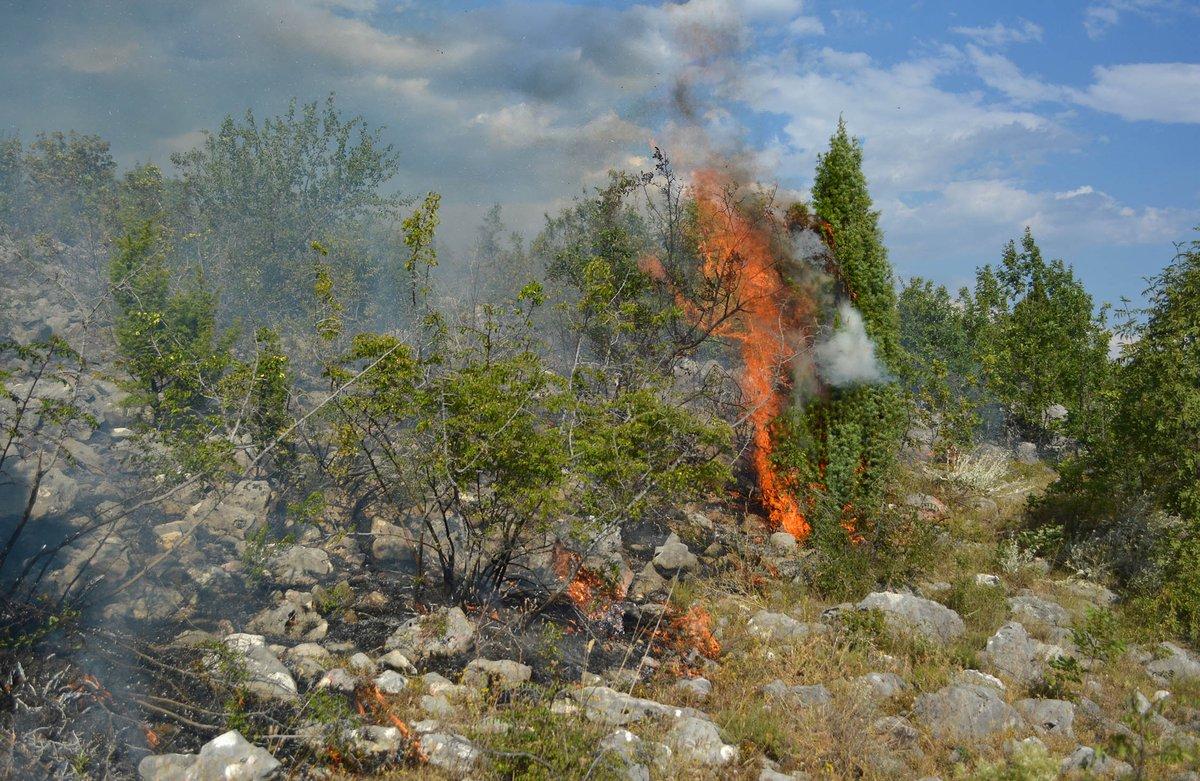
x: 841, y: 442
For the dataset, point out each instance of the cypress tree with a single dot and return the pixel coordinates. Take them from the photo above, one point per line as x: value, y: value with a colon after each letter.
x: 841, y: 198
x: 840, y: 446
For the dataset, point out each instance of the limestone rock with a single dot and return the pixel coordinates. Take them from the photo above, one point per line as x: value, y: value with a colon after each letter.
x: 227, y: 757
x: 698, y: 740
x: 806, y: 696
x: 501, y: 674
x: 439, y: 635
x: 450, y: 752
x: 1037, y: 609
x: 266, y: 676
x: 923, y: 617
x: 1012, y: 652
x: 965, y: 712
x: 768, y: 626
x: 297, y: 565
x: 1048, y: 717
x: 1175, y: 664
x: 673, y: 558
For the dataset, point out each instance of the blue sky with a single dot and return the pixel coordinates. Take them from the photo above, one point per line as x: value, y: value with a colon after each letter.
x: 1081, y: 119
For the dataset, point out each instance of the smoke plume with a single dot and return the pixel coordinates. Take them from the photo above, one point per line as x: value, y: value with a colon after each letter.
x: 847, y: 357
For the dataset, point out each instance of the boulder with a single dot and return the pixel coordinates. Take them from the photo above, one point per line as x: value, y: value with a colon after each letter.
x: 1095, y: 764
x: 896, y: 731
x: 923, y: 617
x: 339, y: 680
x: 392, y: 546
x: 694, y: 688
x: 635, y: 755
x: 1039, y: 610
x: 309, y: 660
x: 673, y: 558
x: 965, y: 712
x: 294, y: 619
x: 266, y: 676
x: 609, y: 706
x: 1027, y: 452
x: 499, y: 674
x: 391, y: 682
x: 768, y: 626
x: 227, y: 757
x: 237, y: 512
x: 697, y: 740
x: 1087, y: 590
x: 881, y: 686
x: 439, y: 635
x: 398, y: 661
x: 297, y: 565
x: 1013, y: 653
x: 1048, y: 717
x: 783, y: 542
x: 980, y: 678
x: 56, y: 494
x: 376, y: 741
x: 1173, y: 663
x: 452, y: 753
x: 805, y: 696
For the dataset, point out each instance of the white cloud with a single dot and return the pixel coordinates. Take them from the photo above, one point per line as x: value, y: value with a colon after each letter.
x: 1000, y: 34
x: 806, y: 25
x: 1099, y: 17
x: 1002, y: 74
x: 313, y: 28
x: 917, y: 131
x: 1160, y: 92
x: 96, y: 59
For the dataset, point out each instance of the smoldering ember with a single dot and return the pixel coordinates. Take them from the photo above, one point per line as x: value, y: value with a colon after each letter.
x: 599, y: 391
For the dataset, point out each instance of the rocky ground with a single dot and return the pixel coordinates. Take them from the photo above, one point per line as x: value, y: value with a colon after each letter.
x: 241, y: 639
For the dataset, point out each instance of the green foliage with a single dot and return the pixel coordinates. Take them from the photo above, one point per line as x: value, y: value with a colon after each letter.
x: 500, y: 263
x: 984, y: 608
x: 418, y: 230
x: 1144, y: 465
x: 258, y: 193
x: 62, y: 184
x: 1099, y: 635
x: 842, y: 445
x: 540, y: 745
x: 166, y: 337
x: 507, y: 445
x: 941, y: 368
x: 894, y: 548
x: 1027, y: 763
x: 840, y: 196
x: 258, y: 390
x: 1032, y: 313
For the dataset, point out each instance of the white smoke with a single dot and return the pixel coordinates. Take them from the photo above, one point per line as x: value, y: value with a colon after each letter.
x: 847, y: 357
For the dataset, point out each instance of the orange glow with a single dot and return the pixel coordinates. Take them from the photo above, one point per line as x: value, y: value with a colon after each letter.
x: 588, y: 590
x: 744, y: 253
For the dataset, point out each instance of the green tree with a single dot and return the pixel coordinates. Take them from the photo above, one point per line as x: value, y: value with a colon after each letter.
x: 1147, y: 463
x: 941, y: 368
x: 1040, y: 343
x: 842, y: 443
x: 500, y: 263
x: 840, y: 197
x: 167, y: 337
x: 61, y: 184
x: 258, y: 194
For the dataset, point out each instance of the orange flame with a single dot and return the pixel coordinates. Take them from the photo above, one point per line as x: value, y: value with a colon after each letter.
x: 743, y: 252
x: 588, y: 590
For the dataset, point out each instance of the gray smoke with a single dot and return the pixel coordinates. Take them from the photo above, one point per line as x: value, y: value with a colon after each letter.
x: 847, y: 356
